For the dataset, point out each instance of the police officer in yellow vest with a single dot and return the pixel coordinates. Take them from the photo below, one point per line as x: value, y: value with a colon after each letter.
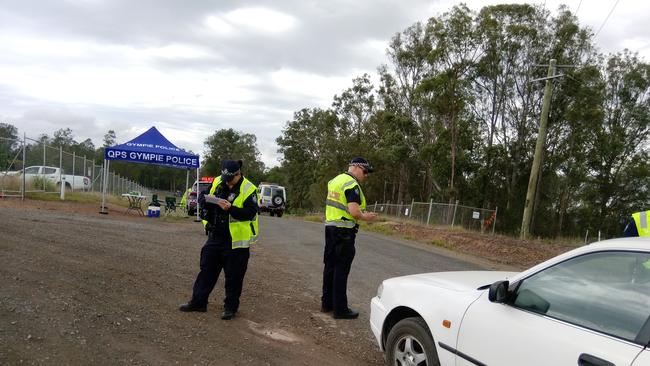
x: 344, y: 206
x: 639, y: 224
x: 231, y: 221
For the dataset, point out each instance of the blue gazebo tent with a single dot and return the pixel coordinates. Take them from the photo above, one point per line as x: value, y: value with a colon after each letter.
x: 151, y: 147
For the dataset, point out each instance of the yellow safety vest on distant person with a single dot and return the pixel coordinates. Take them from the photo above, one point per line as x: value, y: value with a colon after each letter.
x: 184, y: 198
x: 243, y: 233
x: 642, y: 221
x: 336, y: 205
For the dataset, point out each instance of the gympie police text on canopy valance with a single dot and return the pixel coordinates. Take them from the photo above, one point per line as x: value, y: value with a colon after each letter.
x: 152, y: 148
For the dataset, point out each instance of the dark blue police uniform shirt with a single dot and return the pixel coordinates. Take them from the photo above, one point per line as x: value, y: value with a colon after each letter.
x: 353, y: 194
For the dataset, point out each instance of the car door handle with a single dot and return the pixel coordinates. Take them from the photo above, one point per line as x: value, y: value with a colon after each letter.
x: 586, y: 359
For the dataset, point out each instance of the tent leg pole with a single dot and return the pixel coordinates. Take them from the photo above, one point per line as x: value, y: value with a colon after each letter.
x: 198, y: 217
x: 103, y: 209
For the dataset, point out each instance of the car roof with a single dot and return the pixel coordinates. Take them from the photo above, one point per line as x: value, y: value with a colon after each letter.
x: 623, y: 244
x: 633, y: 243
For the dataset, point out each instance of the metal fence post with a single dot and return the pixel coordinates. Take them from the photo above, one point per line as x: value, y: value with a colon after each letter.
x: 85, y: 173
x: 429, y: 214
x: 44, y: 164
x: 74, y: 160
x: 24, y: 183
x: 494, y: 222
x: 411, y: 209
x: 61, y: 182
x: 453, y: 219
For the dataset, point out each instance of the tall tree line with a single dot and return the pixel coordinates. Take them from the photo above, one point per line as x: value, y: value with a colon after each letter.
x: 456, y: 113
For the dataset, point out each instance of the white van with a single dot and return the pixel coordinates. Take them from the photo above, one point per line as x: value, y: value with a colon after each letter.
x: 272, y: 198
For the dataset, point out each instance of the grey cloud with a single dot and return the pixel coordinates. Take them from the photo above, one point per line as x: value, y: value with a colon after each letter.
x: 319, y: 44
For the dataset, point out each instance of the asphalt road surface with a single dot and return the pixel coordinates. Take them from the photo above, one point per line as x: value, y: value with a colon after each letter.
x: 377, y: 257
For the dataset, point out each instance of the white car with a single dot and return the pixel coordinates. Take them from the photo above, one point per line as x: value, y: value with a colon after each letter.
x: 272, y: 198
x: 586, y: 307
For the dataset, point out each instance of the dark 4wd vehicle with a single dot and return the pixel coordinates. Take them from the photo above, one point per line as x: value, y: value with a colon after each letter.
x: 204, y: 185
x: 272, y: 198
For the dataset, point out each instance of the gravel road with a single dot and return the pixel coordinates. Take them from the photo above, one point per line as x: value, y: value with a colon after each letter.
x: 80, y: 288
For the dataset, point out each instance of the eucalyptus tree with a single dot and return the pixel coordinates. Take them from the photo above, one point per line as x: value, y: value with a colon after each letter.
x: 312, y: 150
x: 228, y: 144
x: 575, y: 108
x: 9, y: 144
x: 110, y: 138
x: 454, y: 53
x: 356, y: 105
x: 399, y: 97
x: 504, y: 32
x: 618, y: 156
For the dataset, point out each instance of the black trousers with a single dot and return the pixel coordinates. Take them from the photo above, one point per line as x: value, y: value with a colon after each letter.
x: 216, y: 256
x: 338, y: 256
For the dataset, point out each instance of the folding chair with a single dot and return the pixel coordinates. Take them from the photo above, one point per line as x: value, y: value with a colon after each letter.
x: 170, y: 204
x: 154, y: 200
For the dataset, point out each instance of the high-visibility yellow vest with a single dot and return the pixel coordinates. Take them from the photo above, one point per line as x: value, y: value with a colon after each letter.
x: 642, y: 220
x: 336, y: 205
x: 184, y: 198
x: 243, y: 233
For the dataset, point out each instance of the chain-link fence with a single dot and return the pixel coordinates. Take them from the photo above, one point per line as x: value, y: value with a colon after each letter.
x: 28, y: 165
x: 10, y: 153
x: 471, y: 218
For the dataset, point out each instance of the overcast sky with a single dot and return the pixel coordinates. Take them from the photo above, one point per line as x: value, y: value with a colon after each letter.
x: 193, y: 67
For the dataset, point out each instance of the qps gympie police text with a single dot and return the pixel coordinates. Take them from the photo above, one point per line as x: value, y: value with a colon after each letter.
x: 152, y: 157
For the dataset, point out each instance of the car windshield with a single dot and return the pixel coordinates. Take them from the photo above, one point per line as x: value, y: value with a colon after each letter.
x: 203, y: 186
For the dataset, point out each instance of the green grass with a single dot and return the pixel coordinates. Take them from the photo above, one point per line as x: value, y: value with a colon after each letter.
x: 440, y: 243
x: 378, y: 227
x: 80, y: 197
x: 565, y: 240
x: 314, y: 218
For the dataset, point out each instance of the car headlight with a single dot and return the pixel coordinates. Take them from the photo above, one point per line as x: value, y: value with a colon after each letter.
x: 380, y: 289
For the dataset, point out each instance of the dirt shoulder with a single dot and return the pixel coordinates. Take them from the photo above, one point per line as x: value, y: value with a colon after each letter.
x: 499, y: 250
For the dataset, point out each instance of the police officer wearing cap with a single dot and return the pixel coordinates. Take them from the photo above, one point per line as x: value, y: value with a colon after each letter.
x: 230, y: 215
x: 344, y: 206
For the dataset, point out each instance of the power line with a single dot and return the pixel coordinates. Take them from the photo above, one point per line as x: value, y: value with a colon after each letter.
x: 607, y: 18
x: 578, y: 8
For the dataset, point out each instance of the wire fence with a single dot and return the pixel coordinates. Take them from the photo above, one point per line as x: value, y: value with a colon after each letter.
x: 28, y: 165
x: 441, y: 214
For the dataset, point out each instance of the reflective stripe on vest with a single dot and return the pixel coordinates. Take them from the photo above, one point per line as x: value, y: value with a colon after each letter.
x: 641, y: 222
x: 243, y: 233
x: 336, y: 205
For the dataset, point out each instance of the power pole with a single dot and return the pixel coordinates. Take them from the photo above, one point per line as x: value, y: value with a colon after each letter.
x: 541, y: 140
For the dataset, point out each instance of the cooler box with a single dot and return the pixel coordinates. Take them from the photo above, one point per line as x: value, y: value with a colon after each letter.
x: 153, y: 211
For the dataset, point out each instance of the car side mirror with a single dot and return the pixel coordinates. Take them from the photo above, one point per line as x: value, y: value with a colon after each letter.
x: 498, y: 292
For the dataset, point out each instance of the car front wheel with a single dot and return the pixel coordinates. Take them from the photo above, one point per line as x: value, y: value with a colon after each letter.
x: 410, y: 343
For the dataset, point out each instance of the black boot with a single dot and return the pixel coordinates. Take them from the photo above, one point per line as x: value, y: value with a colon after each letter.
x: 193, y: 307
x: 346, y: 314
x: 228, y: 314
